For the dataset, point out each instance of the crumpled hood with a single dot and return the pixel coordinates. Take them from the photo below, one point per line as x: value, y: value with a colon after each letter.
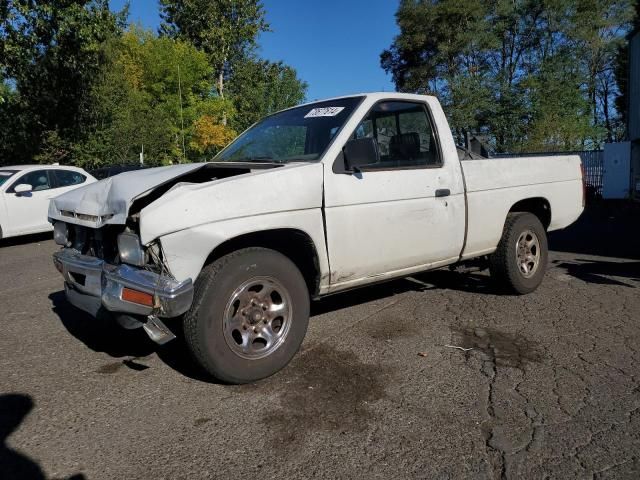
x: 249, y: 199
x: 109, y: 200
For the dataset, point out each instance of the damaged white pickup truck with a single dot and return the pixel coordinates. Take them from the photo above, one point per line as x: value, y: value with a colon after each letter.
x: 310, y: 201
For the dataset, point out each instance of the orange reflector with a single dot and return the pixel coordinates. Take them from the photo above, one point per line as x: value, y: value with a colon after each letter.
x: 134, y: 296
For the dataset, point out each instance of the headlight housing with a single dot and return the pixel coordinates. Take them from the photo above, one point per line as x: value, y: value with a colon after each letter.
x: 61, y: 233
x: 130, y: 250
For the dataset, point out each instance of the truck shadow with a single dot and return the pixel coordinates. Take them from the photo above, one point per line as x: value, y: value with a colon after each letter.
x: 102, y: 334
x: 421, y: 282
x: 606, y: 228
x: 600, y: 272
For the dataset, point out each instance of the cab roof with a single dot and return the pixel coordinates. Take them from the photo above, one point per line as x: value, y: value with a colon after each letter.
x: 373, y: 95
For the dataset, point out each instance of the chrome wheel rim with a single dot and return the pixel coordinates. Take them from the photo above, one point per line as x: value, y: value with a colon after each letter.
x: 257, y: 318
x: 528, y: 253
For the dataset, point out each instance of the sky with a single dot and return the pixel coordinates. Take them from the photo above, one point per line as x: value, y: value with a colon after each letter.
x: 334, y: 45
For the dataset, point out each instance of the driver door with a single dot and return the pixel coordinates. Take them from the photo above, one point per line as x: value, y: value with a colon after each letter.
x: 27, y: 212
x: 400, y: 214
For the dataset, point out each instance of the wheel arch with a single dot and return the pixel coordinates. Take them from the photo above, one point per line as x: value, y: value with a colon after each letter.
x: 293, y: 243
x: 538, y: 206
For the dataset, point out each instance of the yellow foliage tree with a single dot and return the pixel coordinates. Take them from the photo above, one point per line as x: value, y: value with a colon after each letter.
x: 210, y: 136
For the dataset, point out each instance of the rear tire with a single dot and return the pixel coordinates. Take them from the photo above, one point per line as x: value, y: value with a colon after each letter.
x: 520, y: 261
x: 249, y: 315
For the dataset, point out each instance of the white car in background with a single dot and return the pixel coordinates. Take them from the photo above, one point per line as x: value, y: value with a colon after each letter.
x: 25, y: 191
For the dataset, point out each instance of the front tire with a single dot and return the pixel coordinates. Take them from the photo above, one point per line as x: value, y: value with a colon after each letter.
x: 520, y: 261
x: 249, y: 315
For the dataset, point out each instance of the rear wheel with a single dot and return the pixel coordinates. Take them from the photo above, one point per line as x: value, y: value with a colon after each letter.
x: 520, y: 261
x: 249, y: 316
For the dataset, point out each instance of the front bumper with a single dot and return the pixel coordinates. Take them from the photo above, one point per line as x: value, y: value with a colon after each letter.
x: 91, y: 283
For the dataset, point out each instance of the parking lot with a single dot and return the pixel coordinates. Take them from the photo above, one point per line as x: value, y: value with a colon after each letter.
x: 438, y: 376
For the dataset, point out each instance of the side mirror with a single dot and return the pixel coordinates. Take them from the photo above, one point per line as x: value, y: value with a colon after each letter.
x: 23, y: 188
x: 359, y: 152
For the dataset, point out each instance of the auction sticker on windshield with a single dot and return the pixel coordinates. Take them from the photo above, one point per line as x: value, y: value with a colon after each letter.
x: 324, y: 112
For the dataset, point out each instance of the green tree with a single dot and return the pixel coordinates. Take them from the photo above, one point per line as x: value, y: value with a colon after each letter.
x: 49, y: 56
x: 440, y: 50
x: 598, y: 30
x: 152, y: 92
x: 559, y: 116
x: 259, y: 88
x: 226, y: 30
x: 621, y: 73
x: 77, y: 87
x: 497, y: 66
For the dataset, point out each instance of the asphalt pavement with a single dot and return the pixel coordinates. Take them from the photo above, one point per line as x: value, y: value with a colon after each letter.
x: 437, y: 376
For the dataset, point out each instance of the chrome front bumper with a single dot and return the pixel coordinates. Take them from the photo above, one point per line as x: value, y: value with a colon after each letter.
x: 91, y: 283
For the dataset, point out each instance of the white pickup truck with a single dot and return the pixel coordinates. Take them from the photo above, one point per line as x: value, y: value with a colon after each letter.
x: 310, y: 201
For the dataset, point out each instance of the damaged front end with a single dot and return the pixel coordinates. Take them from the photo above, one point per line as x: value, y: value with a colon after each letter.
x: 104, y: 263
x: 110, y: 271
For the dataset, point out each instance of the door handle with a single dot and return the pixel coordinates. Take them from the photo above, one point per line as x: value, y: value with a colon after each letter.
x: 443, y: 192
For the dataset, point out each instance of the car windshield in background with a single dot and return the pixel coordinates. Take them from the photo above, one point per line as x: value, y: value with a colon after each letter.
x: 295, y: 135
x: 5, y: 175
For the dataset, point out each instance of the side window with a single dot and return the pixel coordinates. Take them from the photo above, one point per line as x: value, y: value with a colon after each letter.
x: 365, y: 129
x: 418, y: 122
x: 38, y: 179
x: 66, y: 178
x: 385, y: 131
x: 404, y: 134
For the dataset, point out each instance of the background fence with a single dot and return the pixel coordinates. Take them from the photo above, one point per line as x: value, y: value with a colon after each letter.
x: 592, y: 160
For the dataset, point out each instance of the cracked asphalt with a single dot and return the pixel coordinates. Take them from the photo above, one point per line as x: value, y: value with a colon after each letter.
x: 437, y: 376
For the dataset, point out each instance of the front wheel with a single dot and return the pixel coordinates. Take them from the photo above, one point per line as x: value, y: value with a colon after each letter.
x: 249, y: 315
x: 520, y: 261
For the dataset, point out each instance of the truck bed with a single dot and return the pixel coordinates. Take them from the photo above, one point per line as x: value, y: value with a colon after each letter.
x: 495, y: 185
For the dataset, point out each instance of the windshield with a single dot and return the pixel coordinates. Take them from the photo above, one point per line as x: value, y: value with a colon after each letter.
x: 5, y: 175
x: 299, y: 134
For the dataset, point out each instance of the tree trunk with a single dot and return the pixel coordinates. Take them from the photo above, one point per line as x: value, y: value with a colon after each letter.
x: 221, y: 93
x: 605, y: 111
x: 221, y: 83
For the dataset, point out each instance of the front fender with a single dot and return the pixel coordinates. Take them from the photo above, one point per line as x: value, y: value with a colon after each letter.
x: 257, y: 194
x: 187, y: 251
